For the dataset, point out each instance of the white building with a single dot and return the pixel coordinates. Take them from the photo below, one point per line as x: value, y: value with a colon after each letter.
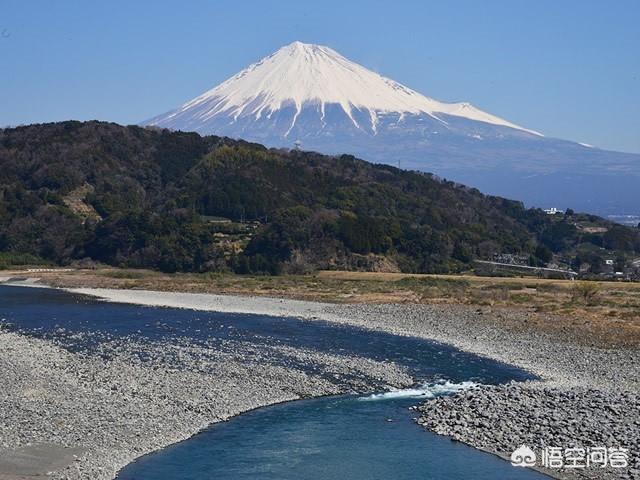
x: 552, y: 211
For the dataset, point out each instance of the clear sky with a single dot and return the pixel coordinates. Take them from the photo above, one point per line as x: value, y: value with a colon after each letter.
x: 570, y: 68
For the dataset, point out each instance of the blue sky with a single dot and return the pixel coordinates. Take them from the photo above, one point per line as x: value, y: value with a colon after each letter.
x: 570, y: 69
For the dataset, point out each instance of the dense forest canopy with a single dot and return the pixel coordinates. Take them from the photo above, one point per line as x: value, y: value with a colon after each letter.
x: 130, y: 196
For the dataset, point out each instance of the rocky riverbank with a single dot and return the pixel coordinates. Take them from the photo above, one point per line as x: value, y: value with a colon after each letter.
x: 581, y: 385
x: 499, y: 418
x: 110, y: 408
x: 576, y: 376
x: 587, y: 396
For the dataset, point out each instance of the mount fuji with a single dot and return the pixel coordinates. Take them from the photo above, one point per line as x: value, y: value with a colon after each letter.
x: 311, y: 96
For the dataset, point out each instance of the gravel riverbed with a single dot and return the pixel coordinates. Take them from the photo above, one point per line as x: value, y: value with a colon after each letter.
x: 111, y: 408
x: 499, y: 418
x: 587, y: 396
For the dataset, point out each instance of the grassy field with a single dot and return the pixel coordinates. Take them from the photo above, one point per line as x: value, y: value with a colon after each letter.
x: 598, y: 312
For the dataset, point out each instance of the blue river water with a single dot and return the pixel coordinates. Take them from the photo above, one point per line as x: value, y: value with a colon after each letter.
x: 343, y: 437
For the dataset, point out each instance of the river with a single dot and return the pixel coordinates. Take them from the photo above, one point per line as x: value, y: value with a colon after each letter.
x: 346, y: 437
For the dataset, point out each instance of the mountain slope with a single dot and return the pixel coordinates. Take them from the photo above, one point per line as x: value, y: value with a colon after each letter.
x: 178, y: 201
x: 313, y: 95
x: 300, y: 75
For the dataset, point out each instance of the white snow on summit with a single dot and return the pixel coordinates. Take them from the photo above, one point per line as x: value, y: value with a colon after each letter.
x: 300, y: 74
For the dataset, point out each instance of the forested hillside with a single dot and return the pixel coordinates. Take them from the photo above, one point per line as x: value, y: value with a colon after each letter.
x: 174, y: 201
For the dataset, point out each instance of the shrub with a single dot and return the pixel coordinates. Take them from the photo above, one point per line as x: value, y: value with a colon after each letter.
x: 585, y: 292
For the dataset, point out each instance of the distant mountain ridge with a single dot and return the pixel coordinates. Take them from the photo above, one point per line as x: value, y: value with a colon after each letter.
x: 313, y: 96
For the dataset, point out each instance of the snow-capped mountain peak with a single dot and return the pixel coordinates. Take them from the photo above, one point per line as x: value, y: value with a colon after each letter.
x: 311, y: 97
x: 299, y: 75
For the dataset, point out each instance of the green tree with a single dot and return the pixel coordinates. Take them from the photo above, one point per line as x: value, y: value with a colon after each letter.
x: 543, y: 253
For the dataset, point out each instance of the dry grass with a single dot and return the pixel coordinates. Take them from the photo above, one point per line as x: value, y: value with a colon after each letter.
x: 606, y: 313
